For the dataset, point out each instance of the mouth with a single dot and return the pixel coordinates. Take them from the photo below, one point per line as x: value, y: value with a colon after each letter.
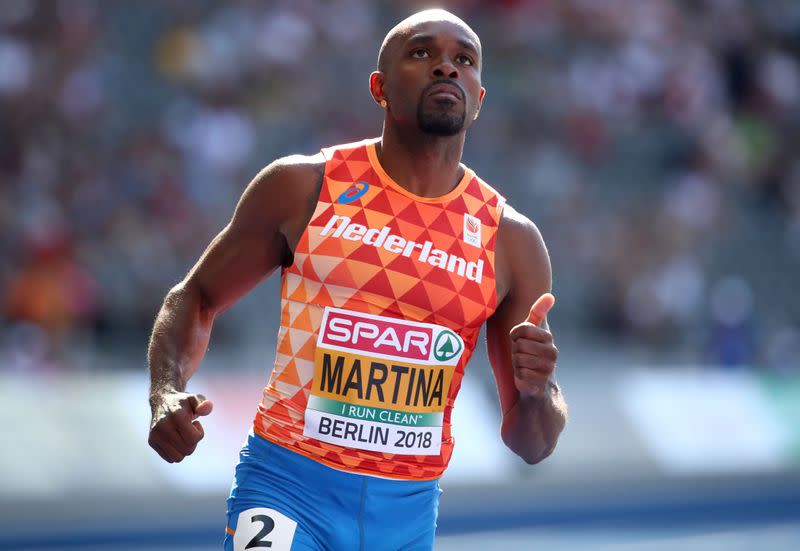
x: 444, y: 91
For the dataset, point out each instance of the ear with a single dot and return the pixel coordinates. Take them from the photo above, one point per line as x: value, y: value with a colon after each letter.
x: 376, y: 87
x: 480, y: 103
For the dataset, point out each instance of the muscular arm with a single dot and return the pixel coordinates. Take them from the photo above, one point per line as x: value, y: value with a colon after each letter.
x: 520, y: 345
x: 264, y: 229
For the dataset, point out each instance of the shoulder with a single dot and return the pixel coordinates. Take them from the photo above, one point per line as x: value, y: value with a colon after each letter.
x: 281, y: 196
x: 300, y: 170
x: 521, y: 257
x: 287, y: 185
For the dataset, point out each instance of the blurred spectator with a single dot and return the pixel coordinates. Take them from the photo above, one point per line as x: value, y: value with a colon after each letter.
x: 654, y: 143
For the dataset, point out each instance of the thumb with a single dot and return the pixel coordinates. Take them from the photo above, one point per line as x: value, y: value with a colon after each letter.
x: 540, y: 308
x: 200, y: 405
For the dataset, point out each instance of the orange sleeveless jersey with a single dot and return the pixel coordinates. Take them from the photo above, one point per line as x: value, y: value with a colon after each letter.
x: 381, y: 311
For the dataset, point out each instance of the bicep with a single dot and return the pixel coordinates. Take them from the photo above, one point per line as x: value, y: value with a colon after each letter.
x: 253, y: 244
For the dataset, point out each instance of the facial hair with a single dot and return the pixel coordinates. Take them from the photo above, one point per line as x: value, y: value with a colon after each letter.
x: 441, y: 121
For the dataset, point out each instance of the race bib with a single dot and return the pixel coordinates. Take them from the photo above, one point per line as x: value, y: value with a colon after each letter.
x: 381, y: 384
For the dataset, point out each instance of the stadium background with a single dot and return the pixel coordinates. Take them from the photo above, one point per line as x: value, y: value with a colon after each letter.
x: 655, y: 143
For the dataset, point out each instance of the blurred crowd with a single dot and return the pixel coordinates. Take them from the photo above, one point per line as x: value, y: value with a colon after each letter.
x: 655, y: 143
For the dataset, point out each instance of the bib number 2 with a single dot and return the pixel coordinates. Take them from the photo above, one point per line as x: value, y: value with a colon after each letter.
x: 263, y: 528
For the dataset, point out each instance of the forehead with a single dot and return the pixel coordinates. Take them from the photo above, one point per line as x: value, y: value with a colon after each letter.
x: 440, y: 31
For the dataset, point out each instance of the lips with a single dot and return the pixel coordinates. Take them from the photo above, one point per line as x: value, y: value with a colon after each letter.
x: 446, y: 91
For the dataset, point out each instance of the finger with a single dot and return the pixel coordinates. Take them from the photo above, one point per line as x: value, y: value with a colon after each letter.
x: 535, y: 348
x: 200, y: 405
x: 175, y: 455
x: 199, y: 428
x: 189, y: 433
x: 536, y: 376
x: 540, y: 308
x: 536, y: 363
x: 168, y: 452
x: 527, y: 330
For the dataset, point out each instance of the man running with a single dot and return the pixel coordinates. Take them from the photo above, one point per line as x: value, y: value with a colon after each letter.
x: 392, y: 255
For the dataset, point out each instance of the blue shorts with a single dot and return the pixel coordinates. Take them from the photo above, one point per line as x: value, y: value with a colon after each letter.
x: 281, y: 500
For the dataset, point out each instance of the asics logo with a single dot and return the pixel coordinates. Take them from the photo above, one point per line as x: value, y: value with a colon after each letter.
x: 353, y: 192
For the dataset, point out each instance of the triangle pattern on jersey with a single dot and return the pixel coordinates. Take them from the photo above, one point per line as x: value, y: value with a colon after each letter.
x: 429, y: 212
x: 324, y: 196
x: 341, y: 275
x: 489, y: 294
x: 302, y: 243
x: 362, y: 272
x: 359, y: 218
x: 291, y: 282
x: 381, y: 203
x: 360, y: 170
x: 358, y: 154
x: 387, y: 256
x: 299, y: 294
x: 457, y: 205
x: 472, y: 292
x: 404, y: 265
x: 323, y: 265
x: 409, y: 230
x: 442, y: 278
x: 485, y: 215
x: 454, y: 309
x: 285, y: 346
x: 305, y: 370
x: 411, y: 214
x: 326, y: 245
x: 418, y: 296
x: 377, y: 219
x: 308, y: 269
x: 441, y: 224
x: 456, y: 221
x: 306, y: 352
x: 289, y: 374
x: 366, y: 253
x: 379, y: 285
x: 439, y: 300
x: 300, y: 319
x: 299, y: 338
x: 339, y: 171
x: 323, y: 296
x: 473, y: 204
x: 473, y: 189
x: 401, y: 283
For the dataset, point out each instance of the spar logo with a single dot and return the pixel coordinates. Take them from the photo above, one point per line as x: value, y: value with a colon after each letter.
x: 353, y: 192
x: 447, y: 346
x: 390, y: 338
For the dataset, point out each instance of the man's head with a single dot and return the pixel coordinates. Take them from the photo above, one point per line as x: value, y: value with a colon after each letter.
x: 429, y: 73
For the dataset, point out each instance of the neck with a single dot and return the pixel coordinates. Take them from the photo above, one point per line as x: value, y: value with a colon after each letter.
x: 425, y: 165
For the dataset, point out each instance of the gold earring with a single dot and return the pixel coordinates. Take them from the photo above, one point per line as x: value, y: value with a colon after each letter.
x: 383, y: 103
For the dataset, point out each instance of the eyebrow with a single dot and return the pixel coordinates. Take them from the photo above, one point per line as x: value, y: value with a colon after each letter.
x: 426, y: 38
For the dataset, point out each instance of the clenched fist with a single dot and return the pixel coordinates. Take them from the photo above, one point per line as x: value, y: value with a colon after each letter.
x: 533, y: 353
x: 174, y: 428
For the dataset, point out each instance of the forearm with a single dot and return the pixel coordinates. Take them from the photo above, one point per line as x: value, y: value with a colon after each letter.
x: 532, y: 426
x: 180, y: 338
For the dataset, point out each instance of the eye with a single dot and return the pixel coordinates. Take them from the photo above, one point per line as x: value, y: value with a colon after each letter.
x: 465, y: 59
x: 420, y: 53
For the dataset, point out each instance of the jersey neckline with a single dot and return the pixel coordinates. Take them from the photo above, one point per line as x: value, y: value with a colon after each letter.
x: 376, y: 165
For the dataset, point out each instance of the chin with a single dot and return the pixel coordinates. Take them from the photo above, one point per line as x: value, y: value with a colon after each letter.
x: 441, y: 126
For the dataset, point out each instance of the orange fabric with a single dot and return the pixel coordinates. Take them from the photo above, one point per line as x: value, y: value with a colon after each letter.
x: 349, y: 272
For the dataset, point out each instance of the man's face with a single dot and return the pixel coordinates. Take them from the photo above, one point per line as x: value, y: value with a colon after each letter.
x: 433, y: 76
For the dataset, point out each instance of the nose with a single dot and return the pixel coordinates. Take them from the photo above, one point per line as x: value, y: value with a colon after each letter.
x: 445, y: 68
